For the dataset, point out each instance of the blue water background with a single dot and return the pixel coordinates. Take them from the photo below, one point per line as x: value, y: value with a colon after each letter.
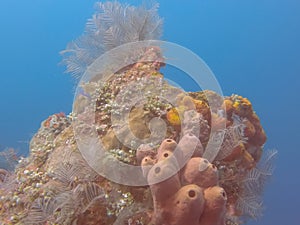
x: 251, y: 46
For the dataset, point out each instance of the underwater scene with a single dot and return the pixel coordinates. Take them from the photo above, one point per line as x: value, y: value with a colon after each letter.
x: 149, y: 112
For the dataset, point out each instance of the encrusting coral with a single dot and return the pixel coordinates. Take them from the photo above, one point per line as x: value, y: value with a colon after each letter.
x: 205, y: 166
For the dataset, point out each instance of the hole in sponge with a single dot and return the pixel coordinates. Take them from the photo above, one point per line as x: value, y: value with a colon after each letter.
x: 192, y: 193
x: 169, y: 140
x: 157, y: 170
x: 166, y: 155
x: 223, y: 194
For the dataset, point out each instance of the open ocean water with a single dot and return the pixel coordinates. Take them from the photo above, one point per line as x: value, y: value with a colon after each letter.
x: 253, y: 48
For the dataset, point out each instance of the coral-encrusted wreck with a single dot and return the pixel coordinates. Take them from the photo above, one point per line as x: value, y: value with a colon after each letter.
x: 55, y: 185
x: 204, y: 165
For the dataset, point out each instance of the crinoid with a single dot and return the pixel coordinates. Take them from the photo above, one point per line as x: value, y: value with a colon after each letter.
x: 8, y: 159
x: 250, y: 199
x: 112, y: 25
x: 41, y: 211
